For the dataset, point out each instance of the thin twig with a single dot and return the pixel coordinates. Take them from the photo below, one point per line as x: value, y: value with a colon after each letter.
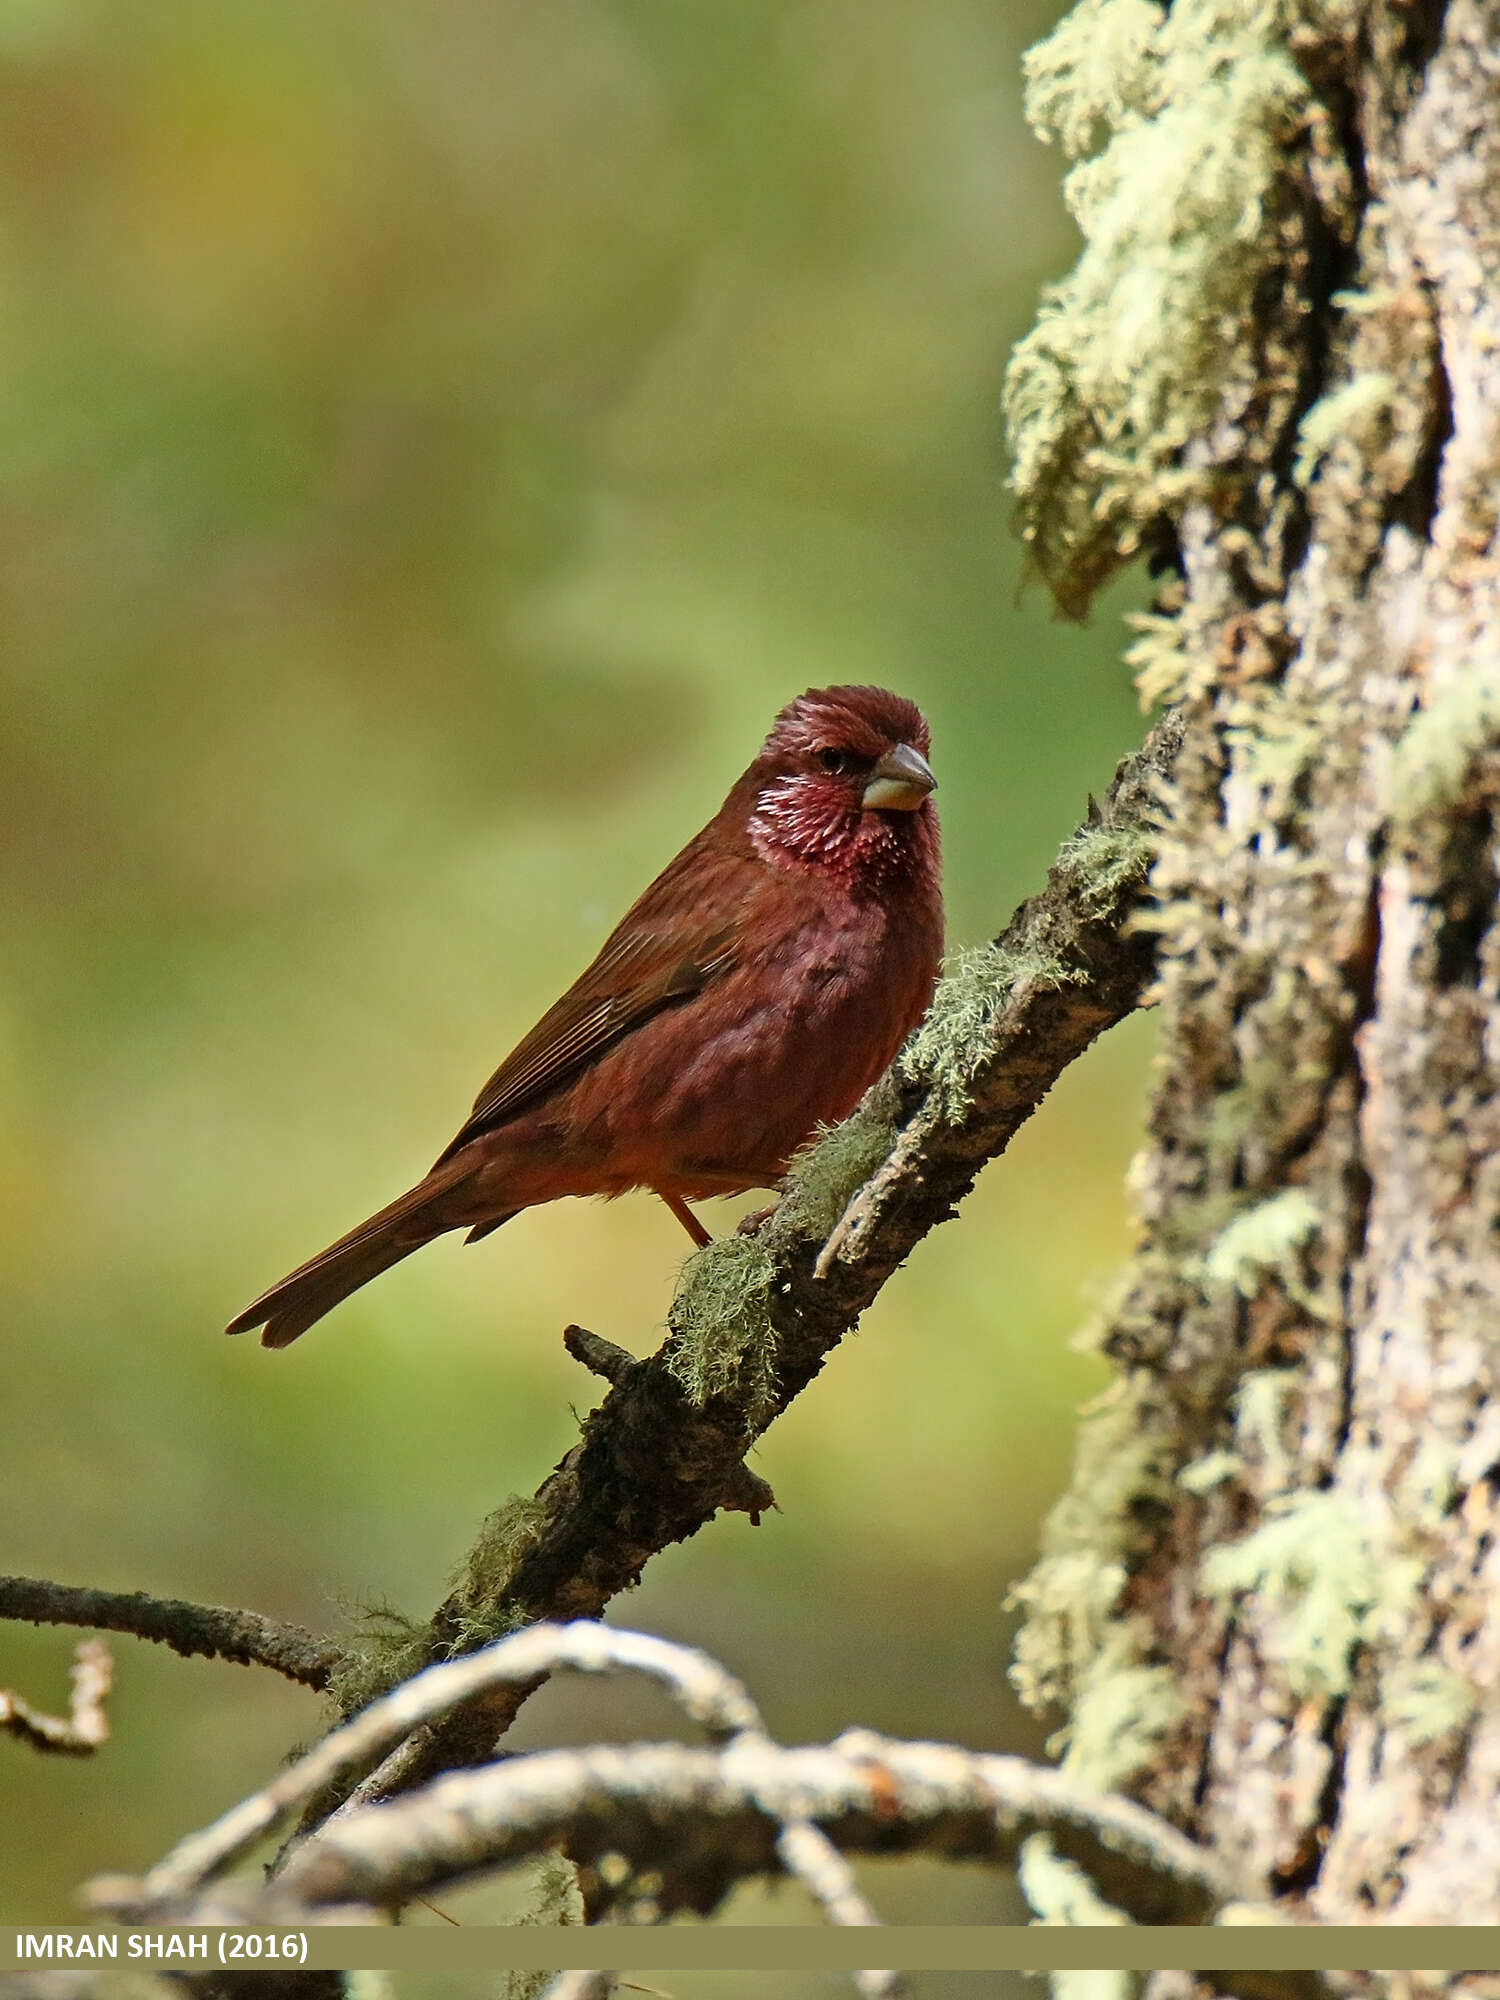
x: 601, y: 1357
x: 213, y: 1631
x: 701, y: 1818
x: 86, y: 1725
x: 693, y: 1820
x: 810, y: 1857
x: 706, y: 1691
x: 807, y: 1854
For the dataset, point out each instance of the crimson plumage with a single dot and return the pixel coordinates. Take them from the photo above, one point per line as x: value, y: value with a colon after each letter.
x: 757, y: 988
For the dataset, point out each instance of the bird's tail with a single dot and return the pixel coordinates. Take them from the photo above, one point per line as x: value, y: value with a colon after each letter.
x: 430, y: 1209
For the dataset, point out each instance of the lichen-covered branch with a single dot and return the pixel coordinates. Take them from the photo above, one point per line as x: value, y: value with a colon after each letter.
x: 209, y: 1631
x: 756, y: 1315
x: 86, y: 1724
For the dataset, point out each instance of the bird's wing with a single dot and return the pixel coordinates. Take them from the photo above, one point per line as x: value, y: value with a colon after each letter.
x: 655, y: 959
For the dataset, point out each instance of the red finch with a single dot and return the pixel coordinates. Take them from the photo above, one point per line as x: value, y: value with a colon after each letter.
x: 762, y: 982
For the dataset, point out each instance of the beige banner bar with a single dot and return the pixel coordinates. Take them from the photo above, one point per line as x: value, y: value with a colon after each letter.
x: 718, y: 1948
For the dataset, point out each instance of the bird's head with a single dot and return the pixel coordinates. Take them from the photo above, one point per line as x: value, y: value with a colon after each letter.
x: 842, y: 782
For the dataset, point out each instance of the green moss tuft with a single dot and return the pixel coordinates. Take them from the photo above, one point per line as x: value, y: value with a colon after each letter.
x: 1100, y: 861
x: 944, y: 1051
x: 504, y: 1537
x: 723, y: 1337
x: 386, y: 1650
x: 1180, y: 120
x: 827, y: 1175
x: 555, y: 1899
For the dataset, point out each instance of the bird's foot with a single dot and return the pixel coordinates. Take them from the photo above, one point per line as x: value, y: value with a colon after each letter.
x: 687, y: 1218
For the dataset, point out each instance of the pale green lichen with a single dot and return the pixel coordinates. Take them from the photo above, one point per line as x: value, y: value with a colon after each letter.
x: 1093, y: 1982
x: 1072, y: 1635
x: 1265, y: 1242
x: 1271, y: 750
x: 1426, y: 1700
x: 386, y: 1649
x: 1432, y: 759
x: 1324, y: 1580
x: 1180, y: 122
x: 1099, y: 862
x: 724, y: 1341
x: 945, y: 1050
x: 366, y: 1985
x: 1061, y: 1893
x: 1122, y: 1709
x: 1262, y: 1401
x: 1215, y: 1468
x: 1430, y: 1483
x: 1168, y: 665
x: 1237, y: 1112
x: 481, y: 1624
x: 1345, y: 412
x: 1096, y: 69
x: 1189, y: 1222
x: 555, y: 1899
x: 1078, y: 1648
x: 1068, y: 1598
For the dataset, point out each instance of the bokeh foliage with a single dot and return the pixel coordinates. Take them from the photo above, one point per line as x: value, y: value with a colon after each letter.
x: 434, y: 439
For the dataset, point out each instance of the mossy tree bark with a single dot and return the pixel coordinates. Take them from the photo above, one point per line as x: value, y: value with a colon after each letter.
x: 1270, y: 1606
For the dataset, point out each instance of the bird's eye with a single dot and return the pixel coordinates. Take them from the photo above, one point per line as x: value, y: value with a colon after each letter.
x: 836, y: 761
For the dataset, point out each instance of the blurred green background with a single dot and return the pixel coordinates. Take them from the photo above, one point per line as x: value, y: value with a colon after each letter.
x: 437, y: 436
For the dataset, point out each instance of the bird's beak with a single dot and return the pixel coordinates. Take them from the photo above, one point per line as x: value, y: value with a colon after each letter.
x: 899, y: 782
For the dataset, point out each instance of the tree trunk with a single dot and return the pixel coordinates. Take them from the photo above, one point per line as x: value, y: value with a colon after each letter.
x: 1270, y: 1605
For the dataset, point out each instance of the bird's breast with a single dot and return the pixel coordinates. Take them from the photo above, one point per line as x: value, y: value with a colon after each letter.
x: 722, y: 1089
